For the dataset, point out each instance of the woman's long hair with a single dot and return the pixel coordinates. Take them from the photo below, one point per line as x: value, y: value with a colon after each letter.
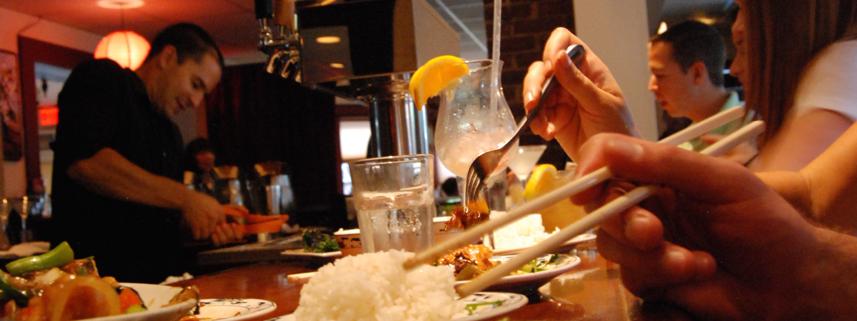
x: 782, y: 38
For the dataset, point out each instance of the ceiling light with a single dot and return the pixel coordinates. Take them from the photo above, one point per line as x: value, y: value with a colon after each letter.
x: 336, y: 65
x: 127, y: 48
x: 120, y: 4
x: 327, y: 40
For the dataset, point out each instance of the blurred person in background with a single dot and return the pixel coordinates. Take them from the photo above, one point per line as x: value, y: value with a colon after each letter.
x: 117, y: 166
x: 686, y: 63
x: 199, y: 161
x: 796, y: 62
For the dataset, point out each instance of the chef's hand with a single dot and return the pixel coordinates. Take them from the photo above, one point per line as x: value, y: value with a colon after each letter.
x: 588, y: 102
x: 226, y: 233
x: 715, y: 240
x: 202, y: 214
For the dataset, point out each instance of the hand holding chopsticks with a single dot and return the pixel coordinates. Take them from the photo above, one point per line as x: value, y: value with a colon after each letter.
x: 593, y: 219
x: 581, y: 184
x: 598, y: 216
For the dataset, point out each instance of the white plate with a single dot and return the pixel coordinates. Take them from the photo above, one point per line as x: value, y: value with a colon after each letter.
x: 155, y: 297
x: 508, y: 302
x: 565, y: 263
x: 233, y: 309
x: 304, y: 253
x: 585, y: 237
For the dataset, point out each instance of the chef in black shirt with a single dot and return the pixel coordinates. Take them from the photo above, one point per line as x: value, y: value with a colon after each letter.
x: 117, y: 165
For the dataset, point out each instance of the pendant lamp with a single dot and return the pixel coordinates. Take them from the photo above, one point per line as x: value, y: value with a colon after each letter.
x: 125, y: 47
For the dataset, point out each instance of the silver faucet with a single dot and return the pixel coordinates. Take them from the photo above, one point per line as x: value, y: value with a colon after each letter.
x: 283, y: 45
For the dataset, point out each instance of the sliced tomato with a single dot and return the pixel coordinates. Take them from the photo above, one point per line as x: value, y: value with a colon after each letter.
x: 128, y: 298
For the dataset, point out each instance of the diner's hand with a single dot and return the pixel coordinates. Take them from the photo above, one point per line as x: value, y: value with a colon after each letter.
x: 722, y: 245
x: 202, y: 214
x: 590, y: 103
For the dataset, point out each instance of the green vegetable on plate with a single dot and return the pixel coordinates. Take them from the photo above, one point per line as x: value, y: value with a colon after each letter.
x: 319, y: 242
x: 471, y: 308
x: 58, y: 256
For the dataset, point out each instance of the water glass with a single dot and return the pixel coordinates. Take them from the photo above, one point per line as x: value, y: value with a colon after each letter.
x: 395, y: 202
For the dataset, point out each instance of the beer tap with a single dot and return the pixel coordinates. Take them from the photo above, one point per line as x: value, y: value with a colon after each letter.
x: 281, y: 44
x: 264, y: 14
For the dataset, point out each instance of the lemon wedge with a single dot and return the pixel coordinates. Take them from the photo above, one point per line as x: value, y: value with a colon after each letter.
x: 546, y: 178
x: 542, y: 179
x: 434, y: 76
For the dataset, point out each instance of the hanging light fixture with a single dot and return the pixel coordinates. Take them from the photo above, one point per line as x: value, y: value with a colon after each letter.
x: 125, y: 47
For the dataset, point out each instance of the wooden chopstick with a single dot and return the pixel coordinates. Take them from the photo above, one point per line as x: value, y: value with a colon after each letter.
x: 598, y: 216
x: 578, y: 185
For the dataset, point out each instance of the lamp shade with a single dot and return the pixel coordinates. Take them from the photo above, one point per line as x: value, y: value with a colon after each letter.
x: 127, y: 48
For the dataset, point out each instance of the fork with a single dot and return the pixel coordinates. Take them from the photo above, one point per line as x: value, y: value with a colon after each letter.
x: 488, y: 162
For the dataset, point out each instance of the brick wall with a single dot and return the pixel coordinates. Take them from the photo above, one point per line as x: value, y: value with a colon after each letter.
x: 527, y: 24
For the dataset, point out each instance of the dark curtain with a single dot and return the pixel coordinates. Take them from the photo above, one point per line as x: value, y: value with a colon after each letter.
x: 254, y: 117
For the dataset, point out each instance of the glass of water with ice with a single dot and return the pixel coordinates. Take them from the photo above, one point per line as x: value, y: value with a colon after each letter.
x: 394, y: 201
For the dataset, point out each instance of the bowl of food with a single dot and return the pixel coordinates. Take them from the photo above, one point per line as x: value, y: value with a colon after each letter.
x: 54, y: 286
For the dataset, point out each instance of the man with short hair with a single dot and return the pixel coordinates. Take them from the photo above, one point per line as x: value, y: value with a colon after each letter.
x: 117, y: 163
x: 687, y: 63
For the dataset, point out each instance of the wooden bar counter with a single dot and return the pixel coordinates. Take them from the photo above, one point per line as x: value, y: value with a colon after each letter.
x: 591, y: 291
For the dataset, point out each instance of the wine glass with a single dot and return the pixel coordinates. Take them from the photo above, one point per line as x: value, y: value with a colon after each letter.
x: 467, y: 124
x: 525, y: 159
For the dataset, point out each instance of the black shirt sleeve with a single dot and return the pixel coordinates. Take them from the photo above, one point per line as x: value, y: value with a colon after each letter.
x: 90, y: 104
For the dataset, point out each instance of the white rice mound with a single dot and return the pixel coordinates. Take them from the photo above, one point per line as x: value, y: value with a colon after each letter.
x: 375, y: 287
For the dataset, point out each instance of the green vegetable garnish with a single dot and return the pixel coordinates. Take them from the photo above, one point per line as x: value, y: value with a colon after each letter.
x: 471, y: 308
x: 60, y: 255
x: 539, y: 264
x: 318, y: 241
x: 7, y: 291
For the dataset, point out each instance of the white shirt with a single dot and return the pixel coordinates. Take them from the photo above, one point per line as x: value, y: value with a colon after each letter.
x: 830, y: 81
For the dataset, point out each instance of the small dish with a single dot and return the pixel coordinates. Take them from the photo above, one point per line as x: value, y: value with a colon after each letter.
x: 233, y: 309
x: 532, y: 280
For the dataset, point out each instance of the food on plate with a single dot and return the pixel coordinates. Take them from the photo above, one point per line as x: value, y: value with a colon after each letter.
x: 469, y: 261
x: 472, y: 260
x: 375, y: 286
x: 525, y: 232
x: 540, y: 264
x: 317, y: 241
x: 435, y: 75
x: 464, y: 217
x: 56, y: 287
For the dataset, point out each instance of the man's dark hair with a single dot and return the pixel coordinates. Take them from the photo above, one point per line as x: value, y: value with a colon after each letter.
x: 189, y: 40
x: 196, y: 146
x: 694, y: 41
